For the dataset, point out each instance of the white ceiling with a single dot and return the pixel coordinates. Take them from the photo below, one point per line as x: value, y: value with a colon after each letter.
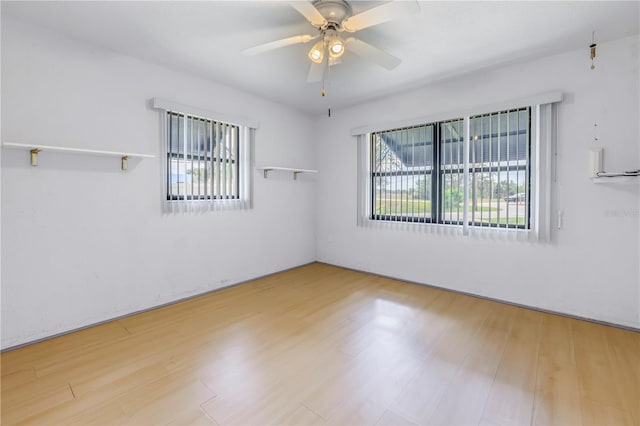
x: 443, y: 40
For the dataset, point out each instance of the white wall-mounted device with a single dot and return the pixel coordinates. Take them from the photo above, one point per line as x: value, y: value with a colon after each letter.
x: 598, y: 175
x: 596, y: 162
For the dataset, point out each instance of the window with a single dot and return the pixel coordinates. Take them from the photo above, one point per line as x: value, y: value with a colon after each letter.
x: 202, y: 158
x: 418, y: 173
x: 208, y: 159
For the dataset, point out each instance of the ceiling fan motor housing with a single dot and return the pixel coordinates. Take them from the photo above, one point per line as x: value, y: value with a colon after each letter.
x: 334, y: 11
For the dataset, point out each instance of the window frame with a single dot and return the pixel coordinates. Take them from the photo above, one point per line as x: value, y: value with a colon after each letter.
x: 171, y: 154
x: 545, y: 108
x: 438, y: 170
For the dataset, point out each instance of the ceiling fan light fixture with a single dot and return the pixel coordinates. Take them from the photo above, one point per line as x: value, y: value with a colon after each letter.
x: 316, y: 54
x: 336, y: 47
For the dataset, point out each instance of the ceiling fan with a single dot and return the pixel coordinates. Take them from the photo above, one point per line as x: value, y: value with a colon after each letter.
x: 332, y: 18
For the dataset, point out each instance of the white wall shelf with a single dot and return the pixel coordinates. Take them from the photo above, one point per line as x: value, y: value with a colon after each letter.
x: 35, y: 149
x: 296, y: 172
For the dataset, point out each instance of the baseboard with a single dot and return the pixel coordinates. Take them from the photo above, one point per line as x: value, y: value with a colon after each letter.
x: 506, y: 302
x: 519, y: 305
x: 130, y: 314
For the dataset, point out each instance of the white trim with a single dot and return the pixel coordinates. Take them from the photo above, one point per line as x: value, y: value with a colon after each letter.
x: 167, y: 105
x: 540, y: 99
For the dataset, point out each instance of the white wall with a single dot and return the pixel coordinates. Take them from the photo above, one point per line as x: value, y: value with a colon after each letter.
x: 591, y: 267
x: 83, y: 241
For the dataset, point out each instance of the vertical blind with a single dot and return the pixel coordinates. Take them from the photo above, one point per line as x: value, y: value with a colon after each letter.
x: 451, y: 177
x: 202, y: 159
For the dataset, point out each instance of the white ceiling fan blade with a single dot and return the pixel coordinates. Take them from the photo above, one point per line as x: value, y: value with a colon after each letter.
x: 316, y: 71
x: 380, y: 14
x: 310, y: 12
x: 278, y: 44
x: 371, y: 53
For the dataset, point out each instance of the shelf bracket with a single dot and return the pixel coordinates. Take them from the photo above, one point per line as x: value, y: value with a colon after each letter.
x: 295, y: 175
x: 34, y: 156
x: 265, y: 172
x: 123, y: 164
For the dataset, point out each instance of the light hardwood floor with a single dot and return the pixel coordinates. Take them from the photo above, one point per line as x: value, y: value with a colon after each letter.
x: 323, y: 345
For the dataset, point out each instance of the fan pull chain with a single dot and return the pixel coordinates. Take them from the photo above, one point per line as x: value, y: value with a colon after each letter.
x: 324, y: 73
x: 592, y: 49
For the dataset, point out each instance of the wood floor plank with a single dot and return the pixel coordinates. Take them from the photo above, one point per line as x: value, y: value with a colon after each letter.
x: 324, y: 345
x: 379, y: 375
x: 193, y: 417
x: 599, y: 369
x: 73, y: 408
x: 105, y: 413
x: 557, y: 400
x: 512, y: 394
x: 123, y: 380
x: 121, y: 352
x: 301, y: 416
x: 356, y: 412
x: 164, y: 403
x: 463, y: 400
x: 597, y: 414
x: 623, y: 350
x: 419, y: 399
x: 41, y: 400
x: 267, y: 408
x: 33, y: 389
x: 449, y: 348
x: 53, y: 351
x: 17, y: 378
x: 389, y: 418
